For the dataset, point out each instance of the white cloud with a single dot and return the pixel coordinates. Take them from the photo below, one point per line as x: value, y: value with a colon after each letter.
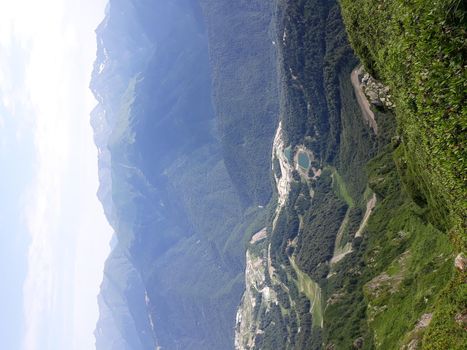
x: 69, y: 234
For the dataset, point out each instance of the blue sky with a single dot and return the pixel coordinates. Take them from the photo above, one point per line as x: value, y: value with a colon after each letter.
x: 54, y: 237
x: 13, y: 236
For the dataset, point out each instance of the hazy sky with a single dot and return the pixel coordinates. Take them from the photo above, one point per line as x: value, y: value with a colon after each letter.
x: 54, y: 236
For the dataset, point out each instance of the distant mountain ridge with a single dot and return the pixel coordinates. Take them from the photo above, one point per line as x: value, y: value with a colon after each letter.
x: 178, y: 217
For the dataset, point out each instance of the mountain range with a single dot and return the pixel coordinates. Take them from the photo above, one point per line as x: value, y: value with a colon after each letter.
x: 282, y: 174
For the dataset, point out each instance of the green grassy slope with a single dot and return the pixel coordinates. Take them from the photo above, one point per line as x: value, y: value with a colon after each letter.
x: 401, y: 270
x: 418, y: 49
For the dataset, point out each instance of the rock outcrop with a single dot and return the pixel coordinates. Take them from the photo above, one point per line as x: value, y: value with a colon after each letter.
x: 460, y: 262
x: 377, y: 93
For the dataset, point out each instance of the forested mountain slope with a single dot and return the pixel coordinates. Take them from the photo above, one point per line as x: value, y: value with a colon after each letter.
x: 266, y: 189
x: 180, y: 217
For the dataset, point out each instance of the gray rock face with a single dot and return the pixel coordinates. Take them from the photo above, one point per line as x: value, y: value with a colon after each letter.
x: 460, y: 262
x: 424, y: 321
x: 358, y: 343
x: 416, y: 334
x: 377, y: 93
x: 461, y: 319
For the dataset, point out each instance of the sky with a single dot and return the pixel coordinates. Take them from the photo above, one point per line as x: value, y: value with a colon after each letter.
x: 54, y: 237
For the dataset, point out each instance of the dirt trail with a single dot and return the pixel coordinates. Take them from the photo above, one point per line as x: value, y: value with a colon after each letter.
x: 369, y: 208
x: 341, y: 252
x: 368, y: 114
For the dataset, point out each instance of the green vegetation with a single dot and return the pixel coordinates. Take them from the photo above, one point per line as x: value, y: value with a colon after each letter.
x: 313, y: 292
x: 186, y: 196
x: 414, y: 254
x: 245, y: 94
x: 402, y: 265
x: 418, y: 49
x: 320, y: 227
x: 185, y: 177
x: 445, y: 332
x: 341, y: 189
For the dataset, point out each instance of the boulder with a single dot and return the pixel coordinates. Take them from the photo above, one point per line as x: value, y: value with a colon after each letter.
x: 358, y: 343
x: 413, y: 345
x: 424, y: 321
x: 460, y: 262
x: 461, y: 319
